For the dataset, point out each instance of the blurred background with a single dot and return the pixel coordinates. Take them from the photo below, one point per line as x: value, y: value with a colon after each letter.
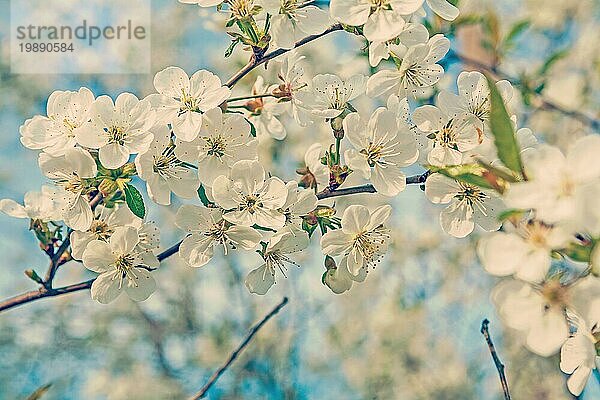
x: 411, y: 331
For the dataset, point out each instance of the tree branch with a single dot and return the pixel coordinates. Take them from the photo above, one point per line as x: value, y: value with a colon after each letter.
x: 233, y: 356
x: 499, y: 366
x: 542, y: 102
x: 256, y: 61
x: 56, y: 259
x: 48, y: 291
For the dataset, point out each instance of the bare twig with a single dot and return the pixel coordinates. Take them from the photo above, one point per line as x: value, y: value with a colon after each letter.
x: 155, y: 331
x: 499, y: 366
x: 255, y: 62
x: 233, y: 356
x: 541, y: 102
x: 56, y: 260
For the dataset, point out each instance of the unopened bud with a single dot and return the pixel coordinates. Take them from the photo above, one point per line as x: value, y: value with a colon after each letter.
x: 337, y: 125
x: 31, y: 274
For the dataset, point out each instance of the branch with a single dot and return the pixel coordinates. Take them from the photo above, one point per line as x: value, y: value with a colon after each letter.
x: 56, y: 259
x: 256, y: 61
x: 543, y: 103
x: 48, y: 291
x: 326, y: 194
x: 233, y: 356
x: 499, y: 366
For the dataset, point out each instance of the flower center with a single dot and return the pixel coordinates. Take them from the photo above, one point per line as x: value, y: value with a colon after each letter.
x: 445, y: 137
x: 116, y: 134
x: 373, y: 153
x: 215, y: 146
x: 370, y: 243
x: 276, y: 259
x: 536, y: 232
x: 101, y: 230
x: 72, y: 183
x: 242, y: 9
x: 167, y: 165
x: 555, y: 294
x: 252, y: 203
x: 379, y: 4
x: 188, y: 103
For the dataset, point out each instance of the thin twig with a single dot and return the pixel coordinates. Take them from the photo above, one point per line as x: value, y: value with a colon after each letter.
x: 56, y: 259
x: 233, y: 356
x: 542, y: 102
x: 255, y: 62
x: 499, y: 366
x: 50, y: 292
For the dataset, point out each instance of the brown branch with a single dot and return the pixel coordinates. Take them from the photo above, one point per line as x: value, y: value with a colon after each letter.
x: 233, y: 356
x: 44, y: 291
x: 542, y: 102
x: 256, y: 61
x: 56, y: 260
x: 499, y: 366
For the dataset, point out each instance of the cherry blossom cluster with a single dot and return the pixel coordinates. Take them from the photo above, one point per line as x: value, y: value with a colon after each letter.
x: 534, y: 204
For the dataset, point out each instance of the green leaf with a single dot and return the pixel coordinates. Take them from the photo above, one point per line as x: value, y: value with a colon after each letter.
x: 510, y: 213
x: 39, y: 392
x: 515, y: 31
x: 578, y: 252
x: 468, y: 173
x: 231, y: 47
x: 135, y: 201
x: 550, y: 61
x: 502, y: 129
x: 203, y: 197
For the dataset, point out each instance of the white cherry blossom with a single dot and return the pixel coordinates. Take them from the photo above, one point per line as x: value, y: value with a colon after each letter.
x: 44, y: 205
x: 292, y: 20
x: 163, y: 172
x: 469, y: 205
x: 250, y: 197
x: 118, y: 129
x: 328, y: 96
x: 70, y: 173
x: 382, y: 19
x: 207, y: 230
x: 362, y: 240
x: 292, y: 82
x: 473, y: 97
x: 381, y: 149
x: 104, y: 224
x: 538, y: 312
x: 299, y: 202
x: 266, y: 112
x: 444, y: 136
x: 529, y: 247
x: 182, y: 100
x: 416, y: 72
x: 316, y: 174
x: 276, y: 256
x: 557, y: 182
x: 223, y: 141
x: 578, y: 355
x: 412, y: 34
x: 121, y: 265
x: 66, y: 112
